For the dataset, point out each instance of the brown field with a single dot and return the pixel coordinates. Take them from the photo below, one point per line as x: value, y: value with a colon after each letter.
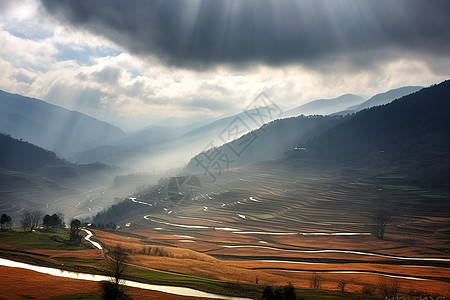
x: 78, y: 254
x: 25, y: 284
x: 257, y: 226
x: 247, y: 269
x: 273, y: 214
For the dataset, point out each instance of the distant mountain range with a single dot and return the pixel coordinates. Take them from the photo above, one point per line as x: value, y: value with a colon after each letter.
x: 410, y: 134
x: 275, y: 139
x: 381, y: 99
x: 325, y: 106
x: 165, y: 147
x: 52, y: 127
x: 80, y: 138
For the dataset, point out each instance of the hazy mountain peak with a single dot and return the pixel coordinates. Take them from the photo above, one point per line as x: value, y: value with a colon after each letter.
x: 386, y: 97
x: 325, y: 106
x: 52, y: 127
x: 381, y: 99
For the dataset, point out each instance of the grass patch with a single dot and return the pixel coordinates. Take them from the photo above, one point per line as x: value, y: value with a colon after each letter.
x: 210, y: 286
x: 59, y: 239
x: 237, y: 289
x: 310, y: 294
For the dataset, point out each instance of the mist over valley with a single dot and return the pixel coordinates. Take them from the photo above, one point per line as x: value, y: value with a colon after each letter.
x: 226, y: 149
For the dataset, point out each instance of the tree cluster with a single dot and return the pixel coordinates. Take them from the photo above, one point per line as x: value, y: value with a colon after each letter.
x: 280, y: 293
x: 110, y: 225
x: 124, y: 209
x: 5, y: 222
x: 53, y: 221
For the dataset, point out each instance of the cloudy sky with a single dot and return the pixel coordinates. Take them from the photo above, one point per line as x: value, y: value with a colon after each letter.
x: 138, y: 62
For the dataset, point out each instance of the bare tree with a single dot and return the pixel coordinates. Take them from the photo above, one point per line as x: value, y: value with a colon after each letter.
x: 36, y: 217
x: 31, y: 219
x: 25, y: 222
x: 341, y: 285
x: 116, y: 262
x: 382, y: 218
x: 389, y: 289
x: 315, y: 281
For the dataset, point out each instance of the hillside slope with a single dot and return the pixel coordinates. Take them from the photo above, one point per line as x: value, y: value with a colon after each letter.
x: 411, y: 132
x: 31, y: 177
x: 382, y: 98
x: 22, y: 156
x: 269, y: 142
x: 52, y: 127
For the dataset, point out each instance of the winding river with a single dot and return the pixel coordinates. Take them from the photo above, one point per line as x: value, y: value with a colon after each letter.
x: 182, y: 291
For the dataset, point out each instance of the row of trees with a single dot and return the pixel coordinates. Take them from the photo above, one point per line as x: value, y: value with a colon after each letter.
x: 32, y: 219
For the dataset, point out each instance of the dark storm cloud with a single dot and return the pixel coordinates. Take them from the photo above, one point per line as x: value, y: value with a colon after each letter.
x: 203, y: 33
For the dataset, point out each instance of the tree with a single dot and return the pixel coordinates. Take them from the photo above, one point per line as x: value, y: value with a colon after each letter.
x: 26, y: 219
x: 268, y: 293
x: 289, y: 292
x: 382, y: 218
x: 116, y: 262
x: 30, y: 219
x: 61, y: 219
x: 278, y: 294
x: 75, y: 226
x: 341, y: 285
x: 5, y: 222
x: 285, y: 293
x: 46, y: 222
x: 8, y: 222
x: 389, y: 289
x: 315, y: 281
x: 52, y: 221
x: 36, y: 217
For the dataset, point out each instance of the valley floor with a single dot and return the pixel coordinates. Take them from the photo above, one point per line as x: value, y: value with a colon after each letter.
x: 257, y: 226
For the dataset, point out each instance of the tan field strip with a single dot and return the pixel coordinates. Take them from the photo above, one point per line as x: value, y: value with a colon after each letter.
x: 25, y: 284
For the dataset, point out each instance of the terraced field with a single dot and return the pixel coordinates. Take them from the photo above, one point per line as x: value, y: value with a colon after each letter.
x: 257, y: 225
x: 75, y: 198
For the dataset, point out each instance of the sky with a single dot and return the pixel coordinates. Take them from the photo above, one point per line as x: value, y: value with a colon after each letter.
x: 139, y: 62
